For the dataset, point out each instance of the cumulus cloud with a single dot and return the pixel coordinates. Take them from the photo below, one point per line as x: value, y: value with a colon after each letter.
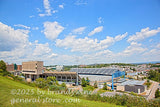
x: 11, y: 38
x: 52, y: 30
x: 143, y: 34
x: 87, y: 44
x: 79, y: 30
x: 47, y: 8
x: 15, y: 46
x: 96, y: 30
x: 23, y: 26
x: 134, y: 48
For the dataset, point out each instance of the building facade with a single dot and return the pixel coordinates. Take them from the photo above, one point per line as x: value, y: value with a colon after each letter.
x: 32, y: 69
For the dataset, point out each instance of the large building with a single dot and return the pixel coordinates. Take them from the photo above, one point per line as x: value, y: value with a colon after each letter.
x: 100, y: 75
x: 32, y: 69
x: 62, y: 76
x: 14, y: 67
x: 132, y: 86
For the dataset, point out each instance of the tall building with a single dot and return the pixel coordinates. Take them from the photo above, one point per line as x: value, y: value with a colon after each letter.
x: 32, y: 69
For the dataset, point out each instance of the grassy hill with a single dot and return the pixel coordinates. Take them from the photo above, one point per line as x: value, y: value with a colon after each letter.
x: 16, y: 94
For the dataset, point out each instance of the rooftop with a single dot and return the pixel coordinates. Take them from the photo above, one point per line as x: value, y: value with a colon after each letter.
x: 94, y: 71
x: 133, y: 82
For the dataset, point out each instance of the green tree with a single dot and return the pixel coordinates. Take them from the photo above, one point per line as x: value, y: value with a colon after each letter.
x: 105, y: 86
x: 95, y: 84
x: 84, y: 84
x: 51, y: 80
x: 3, y: 65
x: 63, y: 85
x: 3, y: 68
x: 87, y: 81
x: 40, y: 82
x: 157, y: 93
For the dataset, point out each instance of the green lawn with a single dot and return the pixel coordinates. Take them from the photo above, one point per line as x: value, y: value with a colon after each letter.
x: 21, y: 95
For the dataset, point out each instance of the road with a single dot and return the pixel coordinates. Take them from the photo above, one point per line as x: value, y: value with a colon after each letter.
x: 153, y: 90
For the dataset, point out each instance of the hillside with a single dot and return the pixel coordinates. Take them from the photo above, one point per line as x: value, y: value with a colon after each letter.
x: 17, y: 94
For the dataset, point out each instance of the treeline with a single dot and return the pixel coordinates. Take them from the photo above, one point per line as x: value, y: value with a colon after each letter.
x: 154, y: 75
x: 67, y: 68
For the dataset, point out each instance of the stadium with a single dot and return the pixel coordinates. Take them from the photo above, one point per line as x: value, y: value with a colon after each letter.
x: 100, y: 75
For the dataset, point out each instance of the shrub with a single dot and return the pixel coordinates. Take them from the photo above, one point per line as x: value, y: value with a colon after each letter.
x: 105, y: 86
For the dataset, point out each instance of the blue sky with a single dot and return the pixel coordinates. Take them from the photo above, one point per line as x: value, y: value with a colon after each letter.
x: 68, y: 32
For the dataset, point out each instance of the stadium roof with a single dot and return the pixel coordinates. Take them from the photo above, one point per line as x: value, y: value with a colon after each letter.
x: 133, y: 82
x: 94, y: 71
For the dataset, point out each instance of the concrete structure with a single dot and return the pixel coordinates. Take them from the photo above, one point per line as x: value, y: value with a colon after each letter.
x: 32, y: 69
x: 132, y: 86
x: 94, y: 73
x: 62, y: 76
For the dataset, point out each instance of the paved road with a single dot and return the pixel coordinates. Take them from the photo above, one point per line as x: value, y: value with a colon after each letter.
x: 153, y: 90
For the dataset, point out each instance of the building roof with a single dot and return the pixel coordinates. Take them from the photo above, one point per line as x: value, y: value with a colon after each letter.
x: 94, y: 71
x: 133, y: 82
x: 49, y: 72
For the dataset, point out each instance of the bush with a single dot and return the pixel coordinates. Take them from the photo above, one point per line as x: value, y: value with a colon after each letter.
x: 63, y: 85
x: 95, y: 84
x: 105, y: 86
x: 84, y: 83
x: 40, y: 82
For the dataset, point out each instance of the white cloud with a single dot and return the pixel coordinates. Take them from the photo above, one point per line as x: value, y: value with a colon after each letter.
x: 39, y: 10
x: 54, y: 11
x: 120, y: 37
x: 145, y: 33
x: 41, y: 49
x: 35, y: 28
x: 16, y: 48
x: 23, y: 26
x: 79, y: 30
x: 96, y: 30
x: 52, y: 30
x: 47, y: 9
x: 61, y: 6
x: 100, y: 20
x: 158, y: 45
x: 11, y: 39
x: 134, y: 48
x: 86, y: 44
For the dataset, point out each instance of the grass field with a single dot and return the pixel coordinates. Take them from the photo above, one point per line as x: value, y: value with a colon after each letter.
x: 16, y: 94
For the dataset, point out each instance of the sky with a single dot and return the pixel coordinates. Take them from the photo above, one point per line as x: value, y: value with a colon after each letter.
x: 66, y: 32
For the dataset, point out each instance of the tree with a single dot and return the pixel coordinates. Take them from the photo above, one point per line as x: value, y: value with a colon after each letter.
x: 105, y: 86
x: 87, y: 81
x: 3, y: 68
x: 40, y: 82
x: 63, y: 85
x: 84, y: 84
x: 157, y: 93
x: 51, y: 80
x: 95, y: 84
